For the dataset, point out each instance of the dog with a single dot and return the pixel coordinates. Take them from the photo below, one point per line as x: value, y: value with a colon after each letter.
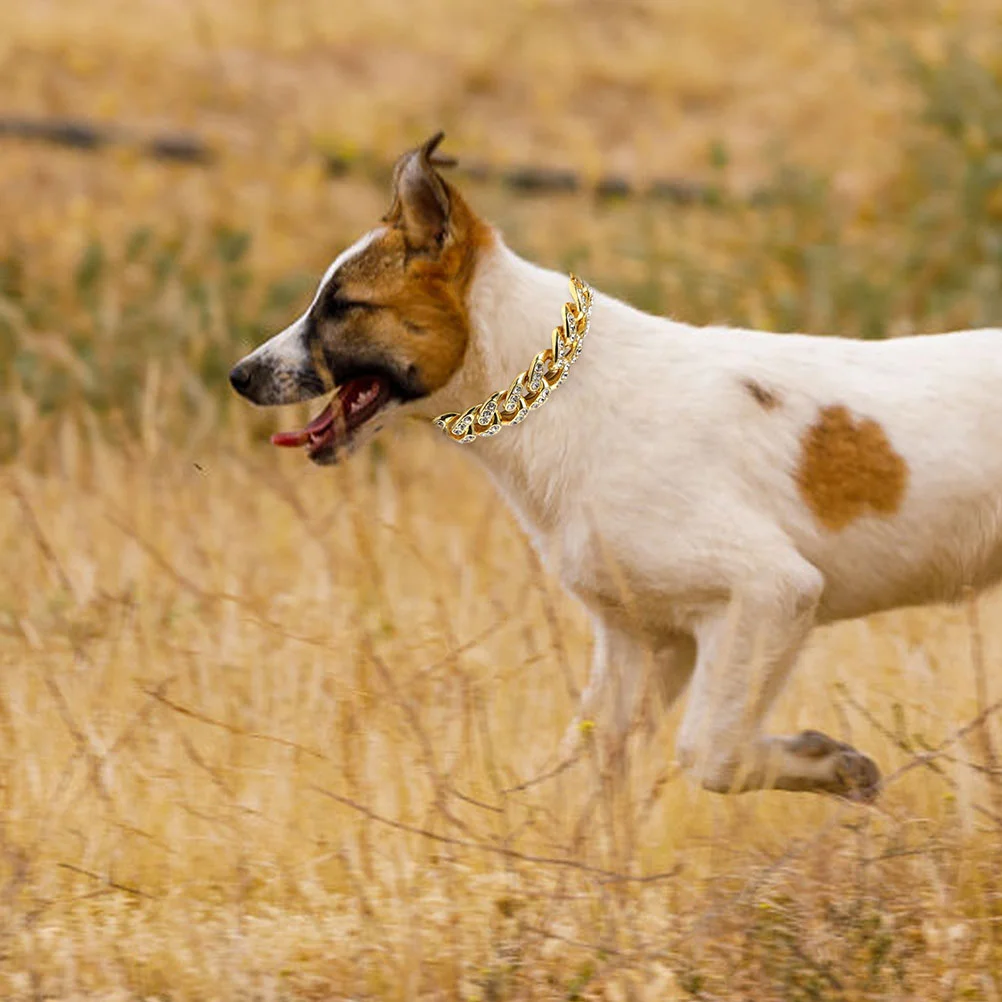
x: 709, y: 494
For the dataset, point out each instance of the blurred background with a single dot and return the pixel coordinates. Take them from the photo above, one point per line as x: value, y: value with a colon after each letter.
x: 275, y: 732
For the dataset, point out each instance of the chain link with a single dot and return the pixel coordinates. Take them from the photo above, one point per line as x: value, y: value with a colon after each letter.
x: 530, y: 389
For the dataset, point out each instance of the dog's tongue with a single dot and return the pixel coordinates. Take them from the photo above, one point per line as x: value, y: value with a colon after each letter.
x: 294, y: 439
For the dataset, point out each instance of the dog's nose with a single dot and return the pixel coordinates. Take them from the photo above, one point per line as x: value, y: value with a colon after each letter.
x: 240, y: 378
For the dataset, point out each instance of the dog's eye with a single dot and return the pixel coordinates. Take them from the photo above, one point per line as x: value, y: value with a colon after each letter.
x: 335, y: 308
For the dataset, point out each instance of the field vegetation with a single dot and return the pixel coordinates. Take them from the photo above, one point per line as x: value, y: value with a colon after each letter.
x: 280, y: 733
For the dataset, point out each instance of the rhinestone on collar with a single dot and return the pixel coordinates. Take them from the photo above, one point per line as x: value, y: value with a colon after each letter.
x: 531, y: 388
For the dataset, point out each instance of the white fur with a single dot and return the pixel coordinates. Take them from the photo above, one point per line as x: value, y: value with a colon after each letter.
x: 348, y: 254
x: 663, y: 495
x: 288, y: 348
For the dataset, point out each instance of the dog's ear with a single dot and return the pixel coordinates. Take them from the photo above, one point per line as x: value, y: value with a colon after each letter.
x: 420, y: 196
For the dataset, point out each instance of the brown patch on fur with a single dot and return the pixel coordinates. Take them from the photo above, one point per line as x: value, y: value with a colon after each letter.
x: 848, y: 468
x: 768, y: 399
x: 407, y: 296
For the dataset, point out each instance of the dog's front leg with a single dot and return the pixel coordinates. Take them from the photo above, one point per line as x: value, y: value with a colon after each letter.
x: 746, y: 651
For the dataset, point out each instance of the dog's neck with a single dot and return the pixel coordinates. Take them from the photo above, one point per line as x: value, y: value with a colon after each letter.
x: 513, y: 308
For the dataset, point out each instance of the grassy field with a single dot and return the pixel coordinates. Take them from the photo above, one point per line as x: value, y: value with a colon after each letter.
x: 274, y: 732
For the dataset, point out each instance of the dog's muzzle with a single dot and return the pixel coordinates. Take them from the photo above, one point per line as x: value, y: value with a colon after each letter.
x: 266, y: 381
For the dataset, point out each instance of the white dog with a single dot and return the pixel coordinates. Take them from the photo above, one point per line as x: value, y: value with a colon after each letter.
x: 709, y: 494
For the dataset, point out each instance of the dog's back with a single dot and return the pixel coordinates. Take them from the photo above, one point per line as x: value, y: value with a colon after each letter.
x: 880, y: 462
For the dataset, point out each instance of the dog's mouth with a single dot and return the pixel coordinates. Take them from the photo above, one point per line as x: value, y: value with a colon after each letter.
x: 354, y: 404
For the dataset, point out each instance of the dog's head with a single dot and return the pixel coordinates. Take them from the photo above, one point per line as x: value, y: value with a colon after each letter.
x: 388, y: 324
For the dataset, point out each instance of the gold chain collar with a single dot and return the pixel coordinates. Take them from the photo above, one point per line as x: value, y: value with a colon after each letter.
x: 530, y: 389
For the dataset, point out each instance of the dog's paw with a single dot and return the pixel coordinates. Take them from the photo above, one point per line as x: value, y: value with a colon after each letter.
x: 856, y: 776
x: 850, y: 774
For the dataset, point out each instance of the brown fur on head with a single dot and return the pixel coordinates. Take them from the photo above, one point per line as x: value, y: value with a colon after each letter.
x: 407, y: 287
x: 392, y: 307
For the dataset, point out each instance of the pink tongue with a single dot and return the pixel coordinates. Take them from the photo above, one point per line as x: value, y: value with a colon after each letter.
x: 294, y: 439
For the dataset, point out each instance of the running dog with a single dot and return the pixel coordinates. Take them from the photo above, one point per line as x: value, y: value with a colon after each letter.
x: 709, y: 494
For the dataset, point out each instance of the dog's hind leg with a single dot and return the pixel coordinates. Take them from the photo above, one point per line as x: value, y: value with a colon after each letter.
x: 745, y: 653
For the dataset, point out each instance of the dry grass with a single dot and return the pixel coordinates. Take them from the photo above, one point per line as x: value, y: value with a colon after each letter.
x: 271, y: 732
x: 264, y: 732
